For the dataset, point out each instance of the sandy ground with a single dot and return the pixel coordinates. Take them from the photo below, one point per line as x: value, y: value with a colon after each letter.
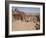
x: 20, y: 25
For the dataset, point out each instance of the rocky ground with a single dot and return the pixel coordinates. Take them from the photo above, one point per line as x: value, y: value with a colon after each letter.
x: 21, y: 25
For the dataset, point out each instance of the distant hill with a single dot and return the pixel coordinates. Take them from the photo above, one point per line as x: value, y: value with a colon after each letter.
x: 26, y: 13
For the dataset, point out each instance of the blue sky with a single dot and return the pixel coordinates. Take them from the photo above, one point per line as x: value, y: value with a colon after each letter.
x: 29, y: 9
